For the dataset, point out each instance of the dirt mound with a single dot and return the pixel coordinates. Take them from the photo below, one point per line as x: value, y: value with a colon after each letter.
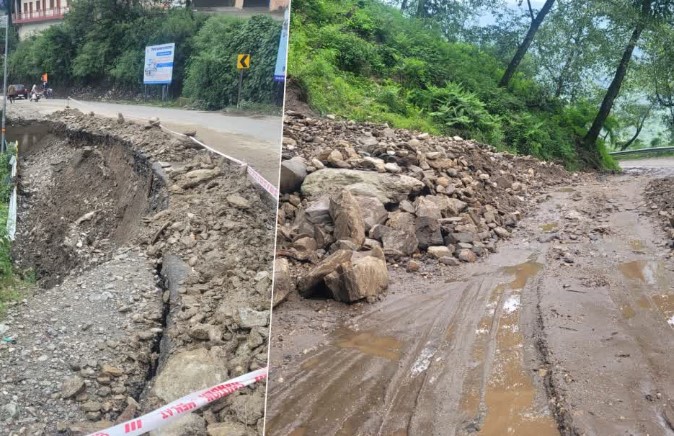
x: 198, y: 223
x: 296, y: 98
x: 446, y: 200
x: 660, y: 200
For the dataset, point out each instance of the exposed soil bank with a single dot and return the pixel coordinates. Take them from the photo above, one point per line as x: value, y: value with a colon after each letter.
x: 105, y: 204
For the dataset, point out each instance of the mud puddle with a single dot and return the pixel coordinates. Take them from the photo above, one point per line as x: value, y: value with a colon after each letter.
x: 641, y: 270
x: 500, y: 393
x: 368, y: 343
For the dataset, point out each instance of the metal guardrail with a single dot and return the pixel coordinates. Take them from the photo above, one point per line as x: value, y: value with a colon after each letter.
x: 653, y: 150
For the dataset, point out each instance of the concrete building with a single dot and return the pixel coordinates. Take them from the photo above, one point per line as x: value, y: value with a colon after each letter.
x: 33, y: 16
x: 242, y: 7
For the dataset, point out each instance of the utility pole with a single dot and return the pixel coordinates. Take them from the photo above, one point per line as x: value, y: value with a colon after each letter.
x: 3, y: 146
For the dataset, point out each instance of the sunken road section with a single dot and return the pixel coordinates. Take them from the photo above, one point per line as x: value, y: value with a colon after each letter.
x: 153, y: 261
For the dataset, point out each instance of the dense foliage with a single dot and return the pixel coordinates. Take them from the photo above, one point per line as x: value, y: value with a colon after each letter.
x: 367, y: 61
x: 102, y: 44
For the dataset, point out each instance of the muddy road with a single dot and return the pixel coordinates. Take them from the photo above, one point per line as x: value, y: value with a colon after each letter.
x: 566, y: 330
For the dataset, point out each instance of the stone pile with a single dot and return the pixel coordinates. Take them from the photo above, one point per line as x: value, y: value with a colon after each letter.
x: 355, y: 196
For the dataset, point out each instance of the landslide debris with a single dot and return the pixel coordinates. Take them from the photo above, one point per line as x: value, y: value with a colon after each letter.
x: 660, y: 202
x: 161, y: 256
x: 358, y: 195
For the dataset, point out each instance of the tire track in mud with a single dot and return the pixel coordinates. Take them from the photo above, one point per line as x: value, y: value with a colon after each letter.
x: 438, y: 348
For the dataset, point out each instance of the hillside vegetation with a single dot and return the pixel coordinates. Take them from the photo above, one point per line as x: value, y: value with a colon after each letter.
x: 364, y: 60
x: 102, y: 44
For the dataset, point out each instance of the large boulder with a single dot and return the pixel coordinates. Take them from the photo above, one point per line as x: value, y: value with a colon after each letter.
x: 364, y: 277
x: 283, y: 282
x: 293, y: 172
x: 347, y: 216
x: 372, y: 211
x: 307, y: 283
x: 388, y: 188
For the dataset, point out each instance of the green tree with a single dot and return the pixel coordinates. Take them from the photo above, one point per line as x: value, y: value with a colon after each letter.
x: 644, y: 13
x: 536, y: 21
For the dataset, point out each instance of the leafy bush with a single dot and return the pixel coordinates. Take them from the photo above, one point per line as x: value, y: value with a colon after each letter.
x: 212, y: 78
x: 364, y: 60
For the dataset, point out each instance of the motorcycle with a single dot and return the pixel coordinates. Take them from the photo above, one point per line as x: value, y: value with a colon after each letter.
x: 35, y: 97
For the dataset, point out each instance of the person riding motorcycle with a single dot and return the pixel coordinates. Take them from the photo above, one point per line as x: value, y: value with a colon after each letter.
x: 33, y: 93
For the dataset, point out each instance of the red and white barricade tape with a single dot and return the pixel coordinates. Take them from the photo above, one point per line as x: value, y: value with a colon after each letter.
x: 254, y: 175
x: 181, y: 407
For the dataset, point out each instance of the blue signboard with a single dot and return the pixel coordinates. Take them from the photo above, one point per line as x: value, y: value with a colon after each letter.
x: 159, y: 64
x: 280, y: 71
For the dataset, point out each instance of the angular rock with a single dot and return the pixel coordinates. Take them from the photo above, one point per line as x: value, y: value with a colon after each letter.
x: 112, y: 371
x: 293, y: 172
x: 188, y: 425
x: 399, y: 243
x: 388, y: 188
x: 238, y: 201
x: 456, y: 238
x: 249, y: 318
x: 372, y: 211
x: 318, y: 211
x: 283, y: 283
x: 248, y: 408
x: 348, y: 219
x: 439, y: 252
x: 197, y: 177
x: 72, y: 387
x: 467, y: 255
x: 227, y: 429
x: 309, y: 281
x: 365, y: 277
x: 189, y: 371
x: 449, y: 260
x: 427, y: 207
x: 427, y: 231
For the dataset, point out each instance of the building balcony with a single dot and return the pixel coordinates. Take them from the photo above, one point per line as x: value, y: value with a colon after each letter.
x: 37, y: 16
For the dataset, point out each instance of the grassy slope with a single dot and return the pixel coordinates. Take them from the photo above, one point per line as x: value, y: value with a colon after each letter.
x: 362, y: 60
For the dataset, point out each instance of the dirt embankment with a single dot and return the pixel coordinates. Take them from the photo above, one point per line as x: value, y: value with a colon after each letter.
x: 154, y: 260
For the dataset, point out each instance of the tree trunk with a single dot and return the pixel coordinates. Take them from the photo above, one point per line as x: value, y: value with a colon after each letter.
x: 403, y: 6
x: 421, y: 9
x: 528, y: 39
x: 590, y: 139
x: 640, y: 127
x: 561, y: 79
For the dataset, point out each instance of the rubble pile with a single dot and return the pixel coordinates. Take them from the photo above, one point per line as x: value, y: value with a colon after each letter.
x: 358, y: 195
x: 205, y: 231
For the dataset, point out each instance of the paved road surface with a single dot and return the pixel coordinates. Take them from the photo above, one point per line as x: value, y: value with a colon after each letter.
x: 252, y: 139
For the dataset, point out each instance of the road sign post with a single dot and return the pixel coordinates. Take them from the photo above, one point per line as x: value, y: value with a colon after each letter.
x: 4, y: 81
x: 242, y: 63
